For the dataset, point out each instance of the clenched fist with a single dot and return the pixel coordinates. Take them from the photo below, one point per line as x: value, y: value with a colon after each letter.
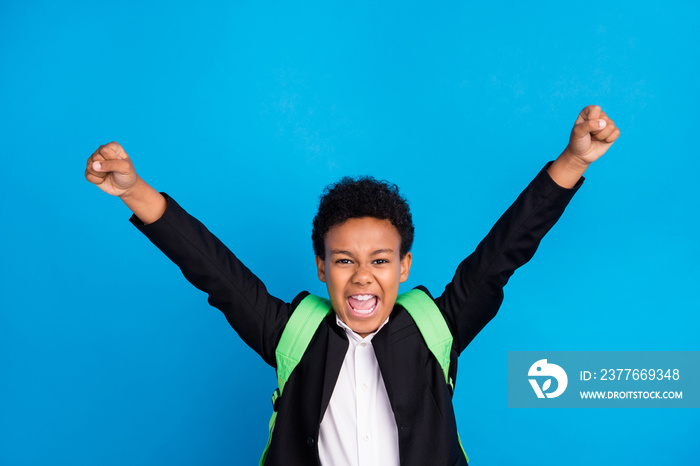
x: 593, y: 134
x: 111, y: 170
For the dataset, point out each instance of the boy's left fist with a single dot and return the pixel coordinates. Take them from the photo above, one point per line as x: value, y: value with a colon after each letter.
x: 593, y: 134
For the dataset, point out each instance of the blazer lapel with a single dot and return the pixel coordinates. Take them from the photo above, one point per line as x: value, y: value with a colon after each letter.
x: 387, y: 347
x: 335, y: 354
x: 382, y: 345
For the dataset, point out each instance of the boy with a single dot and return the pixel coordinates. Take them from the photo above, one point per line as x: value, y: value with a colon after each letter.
x: 367, y: 390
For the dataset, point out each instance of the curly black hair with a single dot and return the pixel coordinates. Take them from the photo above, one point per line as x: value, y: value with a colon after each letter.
x: 361, y: 197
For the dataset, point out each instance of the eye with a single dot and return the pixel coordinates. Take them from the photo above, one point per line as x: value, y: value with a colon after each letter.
x: 380, y: 261
x: 343, y: 261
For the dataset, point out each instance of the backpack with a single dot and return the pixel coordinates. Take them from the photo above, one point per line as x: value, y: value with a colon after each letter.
x: 311, y: 311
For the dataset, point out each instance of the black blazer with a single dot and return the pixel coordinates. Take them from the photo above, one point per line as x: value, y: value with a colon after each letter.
x: 419, y: 396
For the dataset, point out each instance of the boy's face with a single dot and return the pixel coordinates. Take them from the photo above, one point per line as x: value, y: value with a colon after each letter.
x: 362, y: 270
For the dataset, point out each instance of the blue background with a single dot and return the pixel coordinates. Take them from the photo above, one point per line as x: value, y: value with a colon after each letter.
x: 243, y: 111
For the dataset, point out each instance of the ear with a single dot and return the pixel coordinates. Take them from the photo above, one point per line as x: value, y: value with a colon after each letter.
x: 405, y: 267
x: 321, y: 269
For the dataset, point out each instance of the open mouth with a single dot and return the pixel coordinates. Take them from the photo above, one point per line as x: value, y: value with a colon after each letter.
x: 363, y: 305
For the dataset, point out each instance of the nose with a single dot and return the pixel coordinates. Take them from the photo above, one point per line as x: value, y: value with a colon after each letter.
x: 362, y: 276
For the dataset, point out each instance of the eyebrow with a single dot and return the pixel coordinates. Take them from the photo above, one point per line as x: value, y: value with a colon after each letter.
x: 374, y: 253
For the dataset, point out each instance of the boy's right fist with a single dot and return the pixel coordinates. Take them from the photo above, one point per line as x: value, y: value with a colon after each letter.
x: 111, y: 170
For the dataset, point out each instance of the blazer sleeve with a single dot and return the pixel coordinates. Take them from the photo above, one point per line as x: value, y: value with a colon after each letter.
x: 208, y: 264
x: 475, y: 293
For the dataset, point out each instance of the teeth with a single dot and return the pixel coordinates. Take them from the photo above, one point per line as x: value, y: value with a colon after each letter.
x: 362, y: 297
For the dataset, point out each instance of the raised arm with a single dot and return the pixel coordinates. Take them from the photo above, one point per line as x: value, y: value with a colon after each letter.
x: 111, y: 169
x: 204, y: 260
x: 474, y: 295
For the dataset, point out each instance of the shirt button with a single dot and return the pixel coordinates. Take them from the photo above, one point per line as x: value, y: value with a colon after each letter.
x: 366, y: 437
x: 363, y: 344
x: 364, y: 386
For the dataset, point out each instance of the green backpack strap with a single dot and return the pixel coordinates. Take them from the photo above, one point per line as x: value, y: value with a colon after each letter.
x: 296, y: 336
x: 432, y: 326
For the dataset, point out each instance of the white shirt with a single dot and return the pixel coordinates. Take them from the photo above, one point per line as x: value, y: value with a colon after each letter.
x: 358, y: 427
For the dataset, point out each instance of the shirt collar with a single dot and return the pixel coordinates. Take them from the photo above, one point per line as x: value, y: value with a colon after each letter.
x: 351, y: 333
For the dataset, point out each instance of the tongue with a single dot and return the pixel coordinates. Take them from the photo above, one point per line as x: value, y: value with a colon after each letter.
x: 362, y: 305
